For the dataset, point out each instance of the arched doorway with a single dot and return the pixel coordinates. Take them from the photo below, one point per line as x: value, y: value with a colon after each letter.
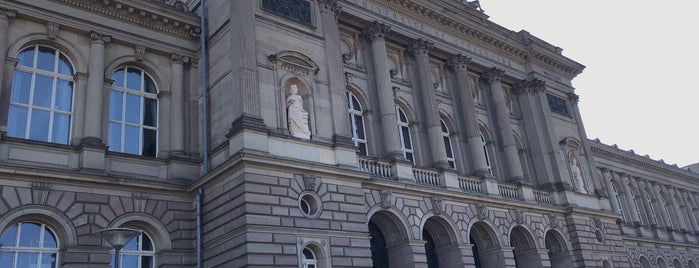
x: 525, y: 251
x: 486, y: 249
x: 558, y: 251
x: 386, y: 230
x: 644, y: 262
x: 441, y: 245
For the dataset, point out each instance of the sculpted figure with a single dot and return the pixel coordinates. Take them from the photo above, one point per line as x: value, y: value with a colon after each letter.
x: 296, y: 115
x: 577, y: 174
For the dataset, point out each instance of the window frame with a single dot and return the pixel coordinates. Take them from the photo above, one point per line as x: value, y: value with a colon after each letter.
x: 449, y: 148
x: 309, y: 263
x: 486, y: 154
x: 354, y: 113
x: 617, y: 196
x: 654, y: 217
x: 404, y: 126
x: 40, y: 250
x: 139, y: 252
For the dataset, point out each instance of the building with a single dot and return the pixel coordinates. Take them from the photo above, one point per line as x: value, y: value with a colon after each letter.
x: 350, y: 133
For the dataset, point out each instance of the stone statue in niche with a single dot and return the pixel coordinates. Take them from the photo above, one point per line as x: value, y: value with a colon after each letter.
x: 296, y: 115
x: 576, y: 172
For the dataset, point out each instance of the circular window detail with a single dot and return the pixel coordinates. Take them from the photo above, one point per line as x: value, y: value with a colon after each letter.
x: 309, y: 205
x: 599, y: 236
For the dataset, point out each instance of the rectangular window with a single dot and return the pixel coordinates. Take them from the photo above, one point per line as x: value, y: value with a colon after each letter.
x: 557, y: 105
x: 295, y: 10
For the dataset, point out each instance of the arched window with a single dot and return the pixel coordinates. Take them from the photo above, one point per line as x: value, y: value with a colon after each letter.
x: 617, y: 197
x: 138, y: 253
x: 653, y: 217
x: 28, y: 244
x: 41, y: 98
x: 133, y: 113
x: 644, y: 262
x: 486, y: 155
x: 308, y: 258
x: 406, y: 140
x: 636, y: 208
x: 356, y: 120
x: 447, y: 144
x: 666, y: 208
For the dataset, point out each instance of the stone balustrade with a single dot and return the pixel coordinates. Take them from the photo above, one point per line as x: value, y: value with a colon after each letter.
x: 377, y: 168
x: 470, y: 184
x: 542, y: 197
x: 426, y: 177
x: 508, y: 191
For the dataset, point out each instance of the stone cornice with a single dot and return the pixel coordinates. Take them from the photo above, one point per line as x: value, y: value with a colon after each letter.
x: 625, y: 157
x: 144, y: 13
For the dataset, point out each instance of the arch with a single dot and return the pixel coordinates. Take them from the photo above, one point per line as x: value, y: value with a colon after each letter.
x: 157, y: 231
x: 295, y: 62
x: 440, y: 236
x: 485, y: 245
x: 389, y: 220
x: 676, y: 263
x: 359, y: 94
x: 524, y: 247
x: 618, y: 197
x: 160, y: 79
x: 55, y: 219
x: 559, y: 255
x: 441, y: 225
x: 316, y: 251
x: 690, y: 264
x: 661, y: 263
x: 388, y: 236
x: 77, y: 59
x: 643, y: 262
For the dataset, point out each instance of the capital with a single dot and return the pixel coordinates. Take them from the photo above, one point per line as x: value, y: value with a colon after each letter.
x: 179, y: 59
x: 7, y: 14
x: 100, y: 38
x: 574, y: 98
x: 331, y: 6
x: 493, y: 75
x: 420, y: 47
x: 376, y: 30
x: 459, y: 62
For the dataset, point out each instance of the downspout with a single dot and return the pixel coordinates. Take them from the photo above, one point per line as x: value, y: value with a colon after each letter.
x: 205, y: 121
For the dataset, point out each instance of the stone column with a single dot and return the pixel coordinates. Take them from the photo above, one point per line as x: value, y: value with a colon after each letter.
x: 502, y: 116
x: 608, y: 183
x: 177, y: 105
x: 330, y: 9
x: 667, y: 219
x: 376, y: 32
x: 95, y: 90
x: 80, y: 90
x: 408, y: 254
x: 6, y: 68
x: 472, y: 133
x: 629, y: 202
x: 420, y: 49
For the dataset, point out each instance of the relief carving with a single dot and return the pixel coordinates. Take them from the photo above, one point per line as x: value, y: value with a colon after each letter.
x: 309, y: 182
x: 385, y: 198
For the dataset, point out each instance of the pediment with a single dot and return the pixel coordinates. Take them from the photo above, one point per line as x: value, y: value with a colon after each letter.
x: 294, y: 62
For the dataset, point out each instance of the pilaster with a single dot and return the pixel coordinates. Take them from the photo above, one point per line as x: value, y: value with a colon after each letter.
x: 79, y: 108
x: 6, y: 68
x: 177, y: 104
x: 95, y: 90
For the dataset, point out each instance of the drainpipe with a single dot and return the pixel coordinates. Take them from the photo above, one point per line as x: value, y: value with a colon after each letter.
x: 205, y: 120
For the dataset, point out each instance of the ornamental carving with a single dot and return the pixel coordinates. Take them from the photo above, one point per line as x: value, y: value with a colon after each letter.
x: 519, y: 216
x: 420, y: 47
x: 385, y: 198
x: 459, y: 62
x: 52, y: 30
x: 40, y: 191
x: 376, y: 30
x: 553, y: 220
x: 179, y: 59
x: 557, y: 105
x: 481, y: 211
x: 294, y: 62
x: 309, y: 182
x: 100, y: 38
x: 7, y: 13
x: 436, y: 204
x: 533, y: 86
x: 330, y: 5
x: 574, y: 98
x: 493, y: 75
x: 597, y: 223
x: 140, y: 52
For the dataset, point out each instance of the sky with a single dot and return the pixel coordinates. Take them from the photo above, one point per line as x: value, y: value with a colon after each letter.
x: 640, y: 87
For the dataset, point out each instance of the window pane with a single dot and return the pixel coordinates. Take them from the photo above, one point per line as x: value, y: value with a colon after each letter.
x: 64, y: 95
x: 46, y: 59
x: 362, y: 149
x: 26, y: 57
x: 48, y: 260
x: 115, y: 105
x: 132, y: 245
x: 6, y: 259
x: 131, y: 140
x: 43, y: 85
x: 402, y: 117
x: 133, y: 109
x: 39, y: 128
x: 444, y: 127
x: 114, y: 139
x: 129, y: 261
x: 118, y: 77
x: 147, y: 262
x: 150, y: 85
x: 150, y: 114
x: 21, y: 83
x: 360, y: 126
x: 64, y: 66
x: 17, y: 122
x: 410, y: 158
x: 146, y: 244
x: 61, y: 128
x: 133, y: 79
x: 49, y: 239
x: 149, y: 142
x: 29, y: 234
x: 355, y: 104
x: 9, y: 236
x: 406, y: 137
x: 27, y: 259
x: 447, y: 147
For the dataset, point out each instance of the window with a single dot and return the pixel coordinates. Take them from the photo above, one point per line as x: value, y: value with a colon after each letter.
x: 485, y: 154
x: 666, y: 205
x: 447, y: 144
x: 133, y: 113
x: 309, y: 205
x: 41, y: 98
x: 138, y: 253
x: 636, y: 208
x: 356, y: 120
x: 652, y: 209
x: 557, y: 105
x: 308, y: 258
x: 28, y: 244
x: 406, y: 140
x: 618, y: 201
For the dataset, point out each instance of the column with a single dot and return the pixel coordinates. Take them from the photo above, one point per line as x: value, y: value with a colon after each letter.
x: 667, y: 219
x: 420, y: 49
x: 6, y: 67
x: 502, y: 114
x: 95, y: 90
x: 629, y: 201
x: 177, y: 104
x: 460, y: 64
x: 376, y: 32
x: 608, y: 184
x: 79, y: 108
x: 330, y: 9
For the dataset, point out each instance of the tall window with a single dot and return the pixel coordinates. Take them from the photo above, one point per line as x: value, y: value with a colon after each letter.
x: 133, y: 113
x: 356, y: 120
x: 41, y: 98
x: 28, y: 244
x: 138, y: 253
x: 486, y: 155
x: 666, y: 206
x: 308, y: 258
x: 447, y: 144
x: 636, y: 208
x: 652, y: 208
x: 618, y: 201
x: 406, y: 141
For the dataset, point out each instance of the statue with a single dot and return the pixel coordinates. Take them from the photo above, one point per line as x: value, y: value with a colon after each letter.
x: 297, y: 117
x: 577, y: 174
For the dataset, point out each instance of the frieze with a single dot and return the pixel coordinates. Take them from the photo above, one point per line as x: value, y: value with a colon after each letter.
x: 295, y: 10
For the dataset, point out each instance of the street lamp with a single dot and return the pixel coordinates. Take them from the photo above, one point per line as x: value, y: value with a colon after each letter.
x: 118, y: 238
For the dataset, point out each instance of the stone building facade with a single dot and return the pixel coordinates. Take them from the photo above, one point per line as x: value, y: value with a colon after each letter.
x: 436, y: 138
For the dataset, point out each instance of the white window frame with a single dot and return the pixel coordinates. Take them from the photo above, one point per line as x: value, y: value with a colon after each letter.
x: 55, y: 75
x: 639, y: 215
x: 666, y: 205
x: 617, y: 197
x: 488, y: 161
x: 401, y: 126
x: 450, y: 149
x: 140, y: 253
x: 15, y: 249
x: 309, y: 263
x: 652, y: 209
x: 354, y: 112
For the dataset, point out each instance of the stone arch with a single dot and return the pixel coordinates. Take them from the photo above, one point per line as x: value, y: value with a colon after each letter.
x: 661, y: 263
x: 55, y: 219
x: 441, y: 241
x: 558, y: 250
x: 74, y: 56
x: 295, y: 62
x: 407, y: 109
x: 359, y: 94
x: 524, y: 247
x: 643, y: 262
x: 676, y: 263
x: 690, y: 264
x: 388, y: 238
x: 441, y: 224
x: 390, y: 220
x: 319, y: 251
x: 155, y: 229
x: 161, y: 80
x: 485, y: 245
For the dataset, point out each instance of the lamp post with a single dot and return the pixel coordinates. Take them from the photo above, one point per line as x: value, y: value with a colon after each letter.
x: 118, y: 238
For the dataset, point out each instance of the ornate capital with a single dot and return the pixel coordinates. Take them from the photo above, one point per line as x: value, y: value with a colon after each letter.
x: 376, y: 30
x: 574, y: 98
x: 100, y: 38
x: 331, y: 6
x: 420, y: 47
x: 179, y: 59
x: 7, y: 14
x: 493, y: 75
x: 459, y: 62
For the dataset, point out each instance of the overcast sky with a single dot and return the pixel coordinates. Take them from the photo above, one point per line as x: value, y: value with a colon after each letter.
x: 640, y: 87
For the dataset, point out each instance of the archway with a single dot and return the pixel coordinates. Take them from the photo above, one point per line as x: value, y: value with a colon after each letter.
x: 441, y: 245
x: 486, y: 249
x: 558, y: 251
x: 661, y: 263
x: 690, y: 264
x: 677, y: 264
x: 386, y: 231
x: 525, y: 251
x: 644, y: 262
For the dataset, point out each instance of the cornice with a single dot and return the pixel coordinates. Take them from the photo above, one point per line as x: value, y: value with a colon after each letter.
x: 170, y: 20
